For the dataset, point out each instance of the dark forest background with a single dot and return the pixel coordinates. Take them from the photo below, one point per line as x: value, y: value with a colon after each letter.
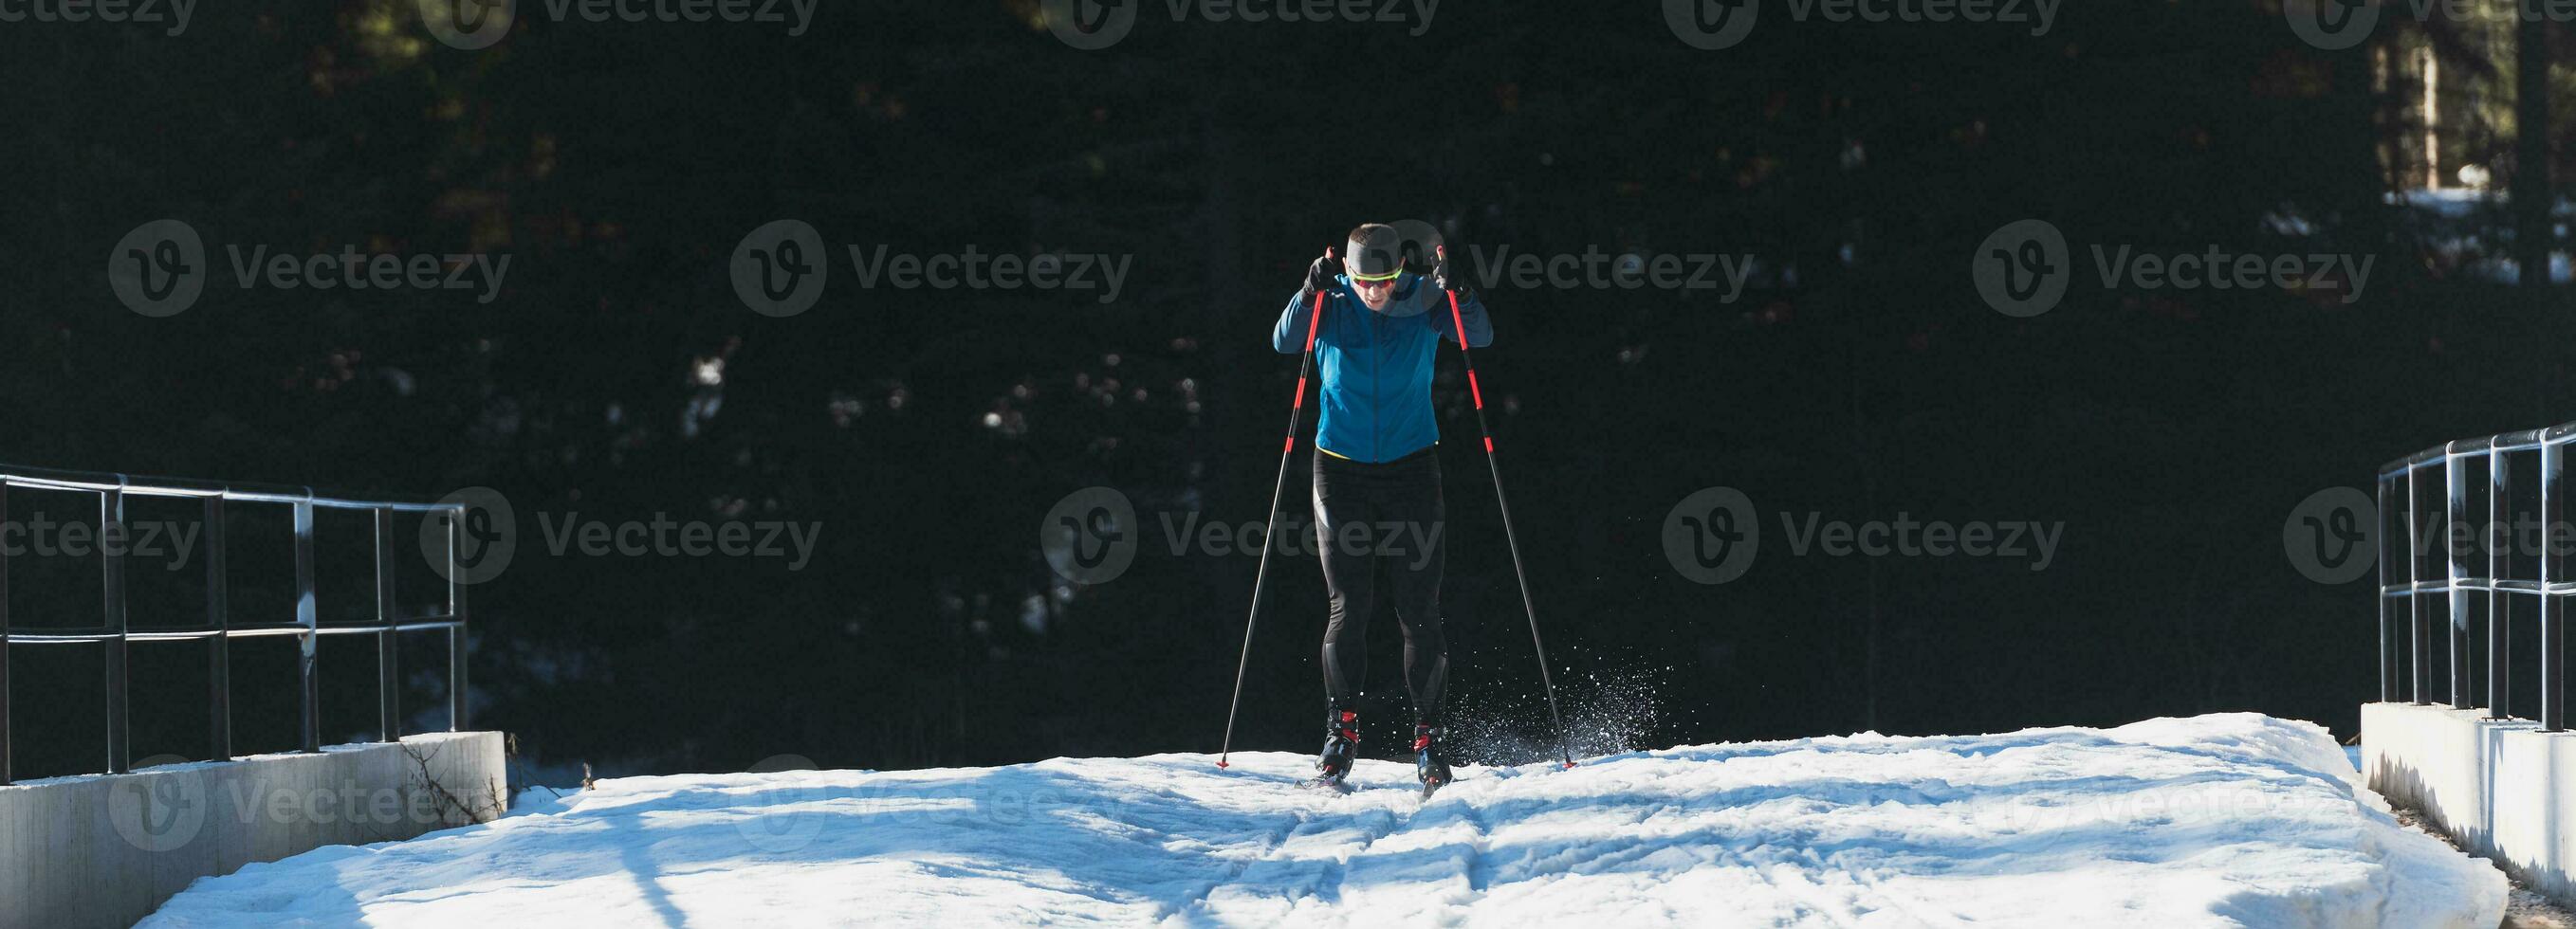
x: 929, y: 431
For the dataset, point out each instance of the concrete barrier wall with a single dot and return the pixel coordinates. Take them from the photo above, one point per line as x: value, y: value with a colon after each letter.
x: 2503, y: 788
x: 104, y: 850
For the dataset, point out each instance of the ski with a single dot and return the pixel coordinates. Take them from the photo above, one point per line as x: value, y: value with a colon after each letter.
x: 1333, y: 784
x: 1431, y: 785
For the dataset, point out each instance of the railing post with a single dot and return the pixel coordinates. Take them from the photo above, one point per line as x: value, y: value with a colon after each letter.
x: 2553, y: 671
x: 2497, y: 535
x: 2420, y: 634
x: 307, y: 614
x: 455, y: 612
x: 4, y: 641
x: 2387, y: 602
x: 388, y: 672
x: 219, y: 660
x: 112, y: 544
x: 2455, y: 573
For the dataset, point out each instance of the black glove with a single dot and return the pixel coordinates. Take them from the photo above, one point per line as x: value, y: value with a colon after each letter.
x: 1442, y: 278
x: 1319, y: 275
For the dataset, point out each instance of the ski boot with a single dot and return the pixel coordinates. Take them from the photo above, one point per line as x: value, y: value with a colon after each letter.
x: 1341, y: 749
x: 1429, y: 762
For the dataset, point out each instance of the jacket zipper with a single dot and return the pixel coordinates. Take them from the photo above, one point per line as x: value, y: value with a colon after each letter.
x: 1377, y: 384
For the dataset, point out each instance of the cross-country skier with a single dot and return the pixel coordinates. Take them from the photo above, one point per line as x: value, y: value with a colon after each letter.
x: 1377, y: 482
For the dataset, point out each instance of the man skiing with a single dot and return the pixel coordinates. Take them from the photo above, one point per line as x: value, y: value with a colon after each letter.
x: 1378, y: 502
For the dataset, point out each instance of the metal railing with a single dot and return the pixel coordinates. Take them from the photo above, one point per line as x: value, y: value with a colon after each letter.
x: 115, y: 634
x: 2422, y: 584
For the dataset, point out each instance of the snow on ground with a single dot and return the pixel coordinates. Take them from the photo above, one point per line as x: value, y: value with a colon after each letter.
x: 2211, y: 821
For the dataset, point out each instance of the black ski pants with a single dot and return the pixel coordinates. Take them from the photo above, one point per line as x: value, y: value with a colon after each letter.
x: 1373, y: 519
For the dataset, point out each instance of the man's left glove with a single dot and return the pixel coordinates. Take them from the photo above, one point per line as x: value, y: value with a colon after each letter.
x: 1443, y: 277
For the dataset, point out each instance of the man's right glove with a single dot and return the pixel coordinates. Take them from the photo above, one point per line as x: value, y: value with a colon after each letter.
x: 1318, y: 276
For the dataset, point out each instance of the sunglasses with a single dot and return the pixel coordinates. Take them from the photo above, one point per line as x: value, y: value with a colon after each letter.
x: 1373, y: 283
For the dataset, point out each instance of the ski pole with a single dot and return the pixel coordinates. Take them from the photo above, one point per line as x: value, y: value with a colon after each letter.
x: 1261, y: 575
x: 1527, y: 604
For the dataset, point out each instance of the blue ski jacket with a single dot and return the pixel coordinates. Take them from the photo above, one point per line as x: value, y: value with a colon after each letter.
x: 1377, y: 365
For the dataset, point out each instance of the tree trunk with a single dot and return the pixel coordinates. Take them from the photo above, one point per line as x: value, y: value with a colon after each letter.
x: 2532, y: 196
x: 2432, y: 120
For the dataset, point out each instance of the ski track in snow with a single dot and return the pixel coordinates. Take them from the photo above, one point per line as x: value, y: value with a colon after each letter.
x: 2228, y: 820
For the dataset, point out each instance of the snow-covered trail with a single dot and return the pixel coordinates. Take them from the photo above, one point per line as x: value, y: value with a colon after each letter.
x: 2216, y: 820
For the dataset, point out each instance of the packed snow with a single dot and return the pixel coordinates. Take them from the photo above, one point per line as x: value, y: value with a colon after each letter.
x: 2211, y: 821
